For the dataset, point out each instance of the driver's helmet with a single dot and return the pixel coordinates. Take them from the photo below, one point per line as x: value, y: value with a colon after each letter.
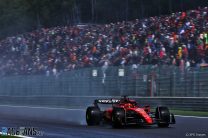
x: 128, y: 105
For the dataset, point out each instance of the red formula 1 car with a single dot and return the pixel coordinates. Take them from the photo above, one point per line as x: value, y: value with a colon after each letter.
x: 126, y: 112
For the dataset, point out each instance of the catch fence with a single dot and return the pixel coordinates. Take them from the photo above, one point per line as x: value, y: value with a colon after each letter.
x: 145, y: 81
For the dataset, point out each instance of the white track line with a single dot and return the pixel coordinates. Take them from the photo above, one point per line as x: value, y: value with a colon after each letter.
x: 17, y: 136
x: 191, y: 116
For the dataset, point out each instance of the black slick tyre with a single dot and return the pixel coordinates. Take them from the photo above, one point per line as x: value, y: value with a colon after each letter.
x: 93, y: 116
x: 118, y: 118
x: 162, y: 114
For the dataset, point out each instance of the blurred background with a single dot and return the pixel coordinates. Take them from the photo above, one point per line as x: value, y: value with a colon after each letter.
x: 18, y: 16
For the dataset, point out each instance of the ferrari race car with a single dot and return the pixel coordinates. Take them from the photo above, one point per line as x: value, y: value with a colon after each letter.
x: 126, y: 112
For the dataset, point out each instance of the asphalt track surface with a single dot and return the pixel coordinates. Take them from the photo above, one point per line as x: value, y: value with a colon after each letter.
x: 185, y: 127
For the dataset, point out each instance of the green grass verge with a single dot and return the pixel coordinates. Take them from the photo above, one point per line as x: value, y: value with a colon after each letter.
x: 189, y: 113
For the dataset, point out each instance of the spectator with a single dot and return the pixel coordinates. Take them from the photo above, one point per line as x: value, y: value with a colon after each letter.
x: 179, y: 39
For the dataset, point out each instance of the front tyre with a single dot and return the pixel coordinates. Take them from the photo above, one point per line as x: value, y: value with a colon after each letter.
x: 162, y: 114
x: 93, y: 116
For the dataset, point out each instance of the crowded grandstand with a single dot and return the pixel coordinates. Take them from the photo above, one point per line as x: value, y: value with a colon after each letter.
x: 179, y: 39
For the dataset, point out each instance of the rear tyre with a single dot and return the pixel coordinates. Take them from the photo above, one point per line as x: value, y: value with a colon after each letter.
x: 162, y: 114
x: 93, y: 116
x: 118, y: 118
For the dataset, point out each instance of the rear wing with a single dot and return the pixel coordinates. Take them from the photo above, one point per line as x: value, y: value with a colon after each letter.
x: 106, y: 101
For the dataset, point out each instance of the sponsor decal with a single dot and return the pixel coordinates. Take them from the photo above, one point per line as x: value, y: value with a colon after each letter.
x: 108, y: 101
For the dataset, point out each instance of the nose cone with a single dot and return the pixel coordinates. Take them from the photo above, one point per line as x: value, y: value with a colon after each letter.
x: 149, y: 120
